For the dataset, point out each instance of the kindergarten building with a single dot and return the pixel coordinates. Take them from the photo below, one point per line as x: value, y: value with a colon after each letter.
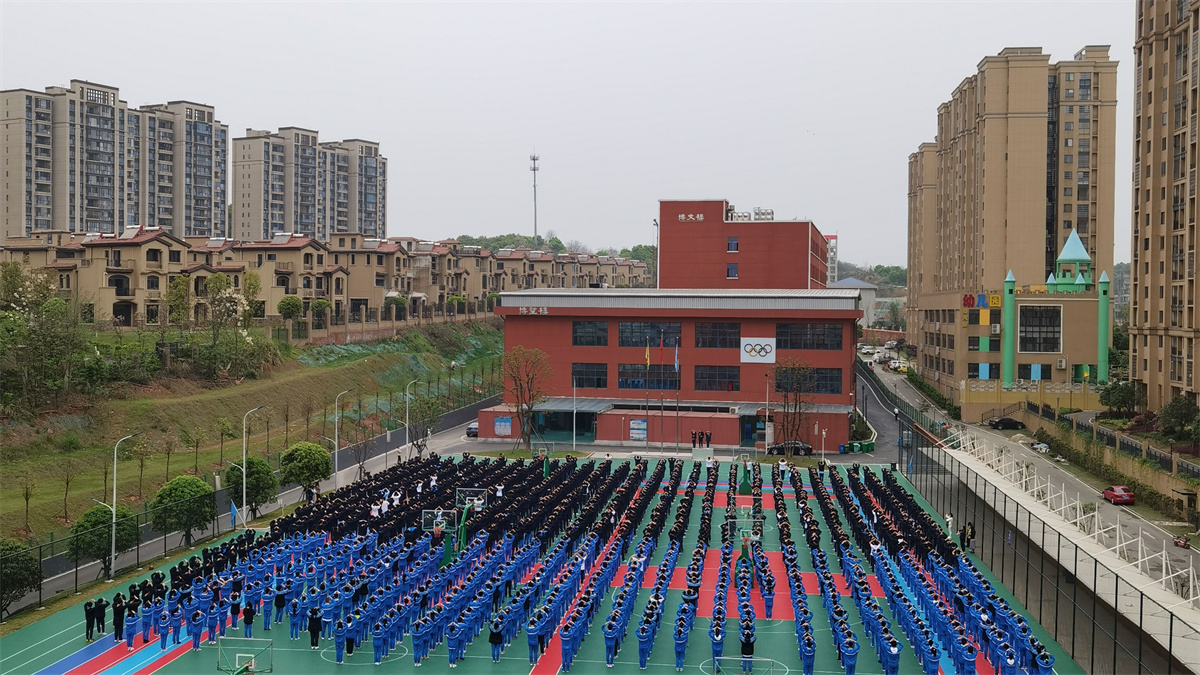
x: 649, y: 367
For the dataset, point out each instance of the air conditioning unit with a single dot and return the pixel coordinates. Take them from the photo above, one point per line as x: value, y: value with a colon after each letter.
x: 995, y: 329
x: 937, y: 351
x: 733, y: 410
x: 937, y: 326
x: 1062, y: 364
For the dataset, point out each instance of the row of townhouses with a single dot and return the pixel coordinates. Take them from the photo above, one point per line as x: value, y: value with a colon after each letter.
x: 124, y: 278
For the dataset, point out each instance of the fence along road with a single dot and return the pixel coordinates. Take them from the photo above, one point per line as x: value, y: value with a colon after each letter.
x: 62, y: 575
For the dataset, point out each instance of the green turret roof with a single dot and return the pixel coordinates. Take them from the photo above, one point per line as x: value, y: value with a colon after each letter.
x: 1073, y: 251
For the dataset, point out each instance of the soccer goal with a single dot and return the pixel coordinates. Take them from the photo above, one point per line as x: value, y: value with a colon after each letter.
x: 241, y: 656
x: 737, y: 664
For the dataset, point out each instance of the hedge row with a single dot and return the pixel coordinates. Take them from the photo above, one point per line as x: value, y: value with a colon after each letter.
x: 1093, y: 463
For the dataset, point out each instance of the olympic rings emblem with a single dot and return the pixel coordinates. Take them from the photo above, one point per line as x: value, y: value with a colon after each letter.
x: 757, y: 349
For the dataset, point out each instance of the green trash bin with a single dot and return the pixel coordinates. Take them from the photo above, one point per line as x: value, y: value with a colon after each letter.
x: 857, y: 446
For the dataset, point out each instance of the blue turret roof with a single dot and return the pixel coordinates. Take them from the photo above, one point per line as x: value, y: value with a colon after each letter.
x: 1010, y: 276
x: 1073, y: 251
x: 1050, y: 280
x: 1104, y: 277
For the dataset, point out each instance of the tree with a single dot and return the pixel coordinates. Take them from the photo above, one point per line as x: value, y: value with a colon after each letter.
x: 167, y: 446
x: 424, y: 416
x: 894, y: 312
x: 140, y: 453
x: 179, y: 300
x: 793, y: 383
x: 306, y: 464
x: 186, y: 503
x: 225, y: 431
x: 224, y: 303
x: 193, y: 438
x: 251, y: 287
x: 527, y: 376
x: 307, y: 408
x: 67, y: 469
x: 1121, y: 396
x: 318, y: 309
x: 20, y: 573
x: 1178, y: 413
x: 555, y: 244
x: 290, y: 307
x: 91, y: 537
x: 262, y: 488
x: 27, y: 481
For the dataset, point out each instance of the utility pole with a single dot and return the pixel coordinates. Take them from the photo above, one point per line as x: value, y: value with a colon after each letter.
x: 534, y: 169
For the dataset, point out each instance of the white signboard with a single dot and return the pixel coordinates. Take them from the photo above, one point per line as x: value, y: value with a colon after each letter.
x: 758, y: 350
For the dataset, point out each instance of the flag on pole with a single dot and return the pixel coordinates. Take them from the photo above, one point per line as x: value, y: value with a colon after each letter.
x: 232, y: 514
x: 647, y: 351
x: 676, y: 358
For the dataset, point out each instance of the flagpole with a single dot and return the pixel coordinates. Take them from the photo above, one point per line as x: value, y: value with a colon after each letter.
x: 573, y: 434
x: 661, y: 408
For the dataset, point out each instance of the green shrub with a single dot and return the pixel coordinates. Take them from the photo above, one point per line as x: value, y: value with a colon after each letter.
x: 955, y: 412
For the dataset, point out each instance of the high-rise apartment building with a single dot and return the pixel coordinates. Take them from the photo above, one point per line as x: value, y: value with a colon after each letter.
x: 78, y: 159
x: 290, y: 181
x: 1023, y: 160
x: 1163, y: 325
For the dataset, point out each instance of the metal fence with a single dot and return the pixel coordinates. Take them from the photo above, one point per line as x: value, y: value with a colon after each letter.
x: 1107, y: 437
x: 74, y: 558
x: 1061, y: 585
x: 1162, y: 458
x: 1187, y: 468
x: 1130, y: 447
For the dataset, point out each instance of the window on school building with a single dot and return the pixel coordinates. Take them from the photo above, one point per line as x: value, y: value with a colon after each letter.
x: 718, y: 378
x: 731, y: 245
x: 816, y: 381
x: 642, y: 333
x: 1039, y: 329
x: 589, y: 333
x: 808, y: 336
x: 639, y: 376
x: 718, y: 335
x: 731, y: 271
x: 972, y: 317
x: 983, y: 371
x: 1033, y: 371
x: 590, y: 375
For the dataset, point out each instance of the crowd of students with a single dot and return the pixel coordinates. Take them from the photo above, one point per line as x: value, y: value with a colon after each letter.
x: 358, y: 564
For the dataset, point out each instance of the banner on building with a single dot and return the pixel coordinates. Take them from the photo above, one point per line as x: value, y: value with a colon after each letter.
x: 503, y: 427
x: 637, y: 430
x: 758, y: 350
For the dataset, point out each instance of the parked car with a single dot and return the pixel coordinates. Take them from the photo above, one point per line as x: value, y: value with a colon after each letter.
x: 881, y: 358
x: 1118, y: 494
x: 795, y: 447
x: 473, y: 430
x: 1005, y: 423
x: 890, y: 344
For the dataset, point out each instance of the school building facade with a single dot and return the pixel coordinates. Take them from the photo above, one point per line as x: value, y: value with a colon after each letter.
x: 649, y: 366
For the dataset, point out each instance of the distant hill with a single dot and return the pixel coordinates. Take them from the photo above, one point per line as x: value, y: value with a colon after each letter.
x: 892, y: 280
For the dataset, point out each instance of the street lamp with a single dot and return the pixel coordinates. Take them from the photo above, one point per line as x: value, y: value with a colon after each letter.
x: 823, y: 442
x: 113, y: 508
x: 337, y: 418
x: 407, y: 430
x: 245, y: 523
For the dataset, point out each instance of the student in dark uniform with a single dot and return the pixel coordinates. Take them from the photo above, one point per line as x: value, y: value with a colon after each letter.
x: 89, y: 617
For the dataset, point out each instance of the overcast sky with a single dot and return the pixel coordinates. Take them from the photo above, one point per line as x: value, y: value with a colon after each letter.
x: 809, y: 108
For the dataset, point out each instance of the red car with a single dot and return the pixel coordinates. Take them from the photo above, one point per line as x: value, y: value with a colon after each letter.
x: 1118, y: 494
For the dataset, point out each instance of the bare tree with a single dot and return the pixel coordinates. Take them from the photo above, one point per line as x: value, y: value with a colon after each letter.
x: 527, y: 376
x: 307, y: 408
x: 67, y: 470
x: 287, y: 423
x: 168, y: 446
x: 140, y: 452
x: 794, y: 385
x: 27, y: 481
x: 192, y: 438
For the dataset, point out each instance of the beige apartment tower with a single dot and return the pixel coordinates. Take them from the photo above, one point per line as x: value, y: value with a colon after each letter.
x: 1162, y: 300
x: 1023, y: 159
x: 78, y: 159
x: 290, y: 181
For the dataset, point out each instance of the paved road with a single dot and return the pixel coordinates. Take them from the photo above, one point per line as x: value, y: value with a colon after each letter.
x: 1131, y: 522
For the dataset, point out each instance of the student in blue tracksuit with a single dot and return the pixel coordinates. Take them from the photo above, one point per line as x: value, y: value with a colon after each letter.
x: 176, y: 624
x: 214, y: 616
x: 194, y: 629
x: 849, y: 651
x: 808, y: 653
x: 147, y: 622
x: 377, y: 643
x: 164, y: 630
x: 716, y: 634
x: 339, y: 641
x: 456, y: 641
x: 681, y: 640
x: 645, y: 638
x: 532, y: 635
x: 268, y: 599
x: 611, y: 633
x: 131, y: 629
x: 295, y: 619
